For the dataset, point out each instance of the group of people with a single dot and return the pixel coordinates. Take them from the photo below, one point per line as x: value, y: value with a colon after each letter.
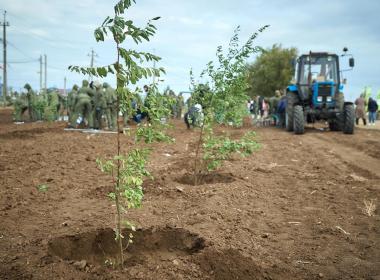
x: 362, y: 106
x: 273, y: 107
x: 93, y: 102
x: 48, y: 105
x: 87, y: 105
x: 93, y: 105
x: 90, y: 103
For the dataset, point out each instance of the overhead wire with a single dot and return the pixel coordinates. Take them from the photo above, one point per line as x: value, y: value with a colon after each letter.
x: 21, y: 62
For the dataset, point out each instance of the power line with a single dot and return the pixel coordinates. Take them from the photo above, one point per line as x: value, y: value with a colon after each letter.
x: 20, y: 51
x: 16, y: 48
x: 39, y: 37
x: 56, y: 68
x: 19, y: 62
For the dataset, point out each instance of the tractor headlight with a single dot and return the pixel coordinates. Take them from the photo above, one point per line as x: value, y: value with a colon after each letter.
x: 329, y: 99
x: 319, y: 99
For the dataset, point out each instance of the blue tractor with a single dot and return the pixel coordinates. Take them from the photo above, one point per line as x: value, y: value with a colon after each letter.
x: 316, y: 94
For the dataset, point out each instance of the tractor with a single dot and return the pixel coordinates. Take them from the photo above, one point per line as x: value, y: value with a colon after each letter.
x: 316, y: 94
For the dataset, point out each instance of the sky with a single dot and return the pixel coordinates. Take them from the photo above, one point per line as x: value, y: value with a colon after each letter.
x: 188, y: 35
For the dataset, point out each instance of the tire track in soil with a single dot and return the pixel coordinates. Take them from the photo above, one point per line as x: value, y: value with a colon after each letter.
x: 350, y: 154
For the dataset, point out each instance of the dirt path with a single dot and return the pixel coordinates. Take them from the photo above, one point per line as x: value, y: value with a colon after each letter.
x: 293, y: 210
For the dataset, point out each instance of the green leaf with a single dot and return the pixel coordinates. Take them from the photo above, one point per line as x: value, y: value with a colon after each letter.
x: 42, y: 188
x: 102, y: 71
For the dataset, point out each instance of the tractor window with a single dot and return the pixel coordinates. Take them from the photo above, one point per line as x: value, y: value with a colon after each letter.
x: 318, y: 69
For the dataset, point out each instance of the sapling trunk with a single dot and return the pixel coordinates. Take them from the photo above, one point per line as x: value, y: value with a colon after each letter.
x: 117, y: 186
x: 197, y: 156
x: 119, y: 28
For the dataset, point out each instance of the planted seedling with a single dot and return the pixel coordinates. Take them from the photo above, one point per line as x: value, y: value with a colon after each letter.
x: 128, y: 171
x: 223, y: 99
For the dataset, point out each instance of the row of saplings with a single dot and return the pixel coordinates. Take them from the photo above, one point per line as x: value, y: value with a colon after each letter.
x: 222, y: 100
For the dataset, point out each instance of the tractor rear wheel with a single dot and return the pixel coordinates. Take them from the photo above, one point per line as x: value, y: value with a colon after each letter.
x: 299, y: 120
x: 291, y: 99
x: 348, y: 119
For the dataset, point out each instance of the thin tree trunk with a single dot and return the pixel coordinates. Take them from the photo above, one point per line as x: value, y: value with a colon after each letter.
x: 117, y: 186
x: 197, y: 155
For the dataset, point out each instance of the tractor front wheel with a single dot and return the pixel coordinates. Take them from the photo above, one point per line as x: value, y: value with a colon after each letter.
x: 299, y: 120
x: 291, y: 99
x: 348, y: 119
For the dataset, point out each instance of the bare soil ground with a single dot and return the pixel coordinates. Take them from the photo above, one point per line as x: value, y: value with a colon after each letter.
x: 293, y: 210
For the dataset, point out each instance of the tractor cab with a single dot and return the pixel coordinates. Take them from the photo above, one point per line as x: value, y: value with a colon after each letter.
x: 318, y: 79
x: 316, y: 94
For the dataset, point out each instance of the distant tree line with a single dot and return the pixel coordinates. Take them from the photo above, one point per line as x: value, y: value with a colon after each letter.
x: 271, y: 71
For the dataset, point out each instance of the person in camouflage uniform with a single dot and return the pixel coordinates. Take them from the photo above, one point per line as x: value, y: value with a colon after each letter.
x: 20, y: 106
x: 71, y: 102
x: 51, y: 110
x: 87, y: 89
x: 39, y: 105
x: 31, y: 96
x: 83, y: 105
x: 273, y: 102
x: 62, y: 106
x: 100, y: 105
x: 111, y: 110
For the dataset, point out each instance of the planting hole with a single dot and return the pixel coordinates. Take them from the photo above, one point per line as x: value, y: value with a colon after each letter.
x: 149, y: 246
x: 203, y: 179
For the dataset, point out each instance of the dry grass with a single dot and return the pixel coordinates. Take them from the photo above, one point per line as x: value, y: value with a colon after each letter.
x: 369, y: 207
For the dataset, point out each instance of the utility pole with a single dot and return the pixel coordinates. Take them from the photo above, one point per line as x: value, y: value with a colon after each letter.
x: 45, y: 84
x: 40, y: 72
x: 64, y: 86
x: 66, y: 98
x: 93, y: 54
x: 5, y: 24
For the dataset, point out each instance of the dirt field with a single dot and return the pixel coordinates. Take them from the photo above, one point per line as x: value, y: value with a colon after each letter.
x: 293, y: 210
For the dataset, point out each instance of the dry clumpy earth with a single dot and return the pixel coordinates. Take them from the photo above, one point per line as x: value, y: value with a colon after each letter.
x: 293, y: 210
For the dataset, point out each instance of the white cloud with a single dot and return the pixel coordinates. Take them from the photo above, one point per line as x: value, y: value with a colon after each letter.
x: 39, y: 32
x: 189, y: 32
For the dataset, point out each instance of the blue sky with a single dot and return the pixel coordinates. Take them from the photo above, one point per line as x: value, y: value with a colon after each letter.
x: 188, y: 34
